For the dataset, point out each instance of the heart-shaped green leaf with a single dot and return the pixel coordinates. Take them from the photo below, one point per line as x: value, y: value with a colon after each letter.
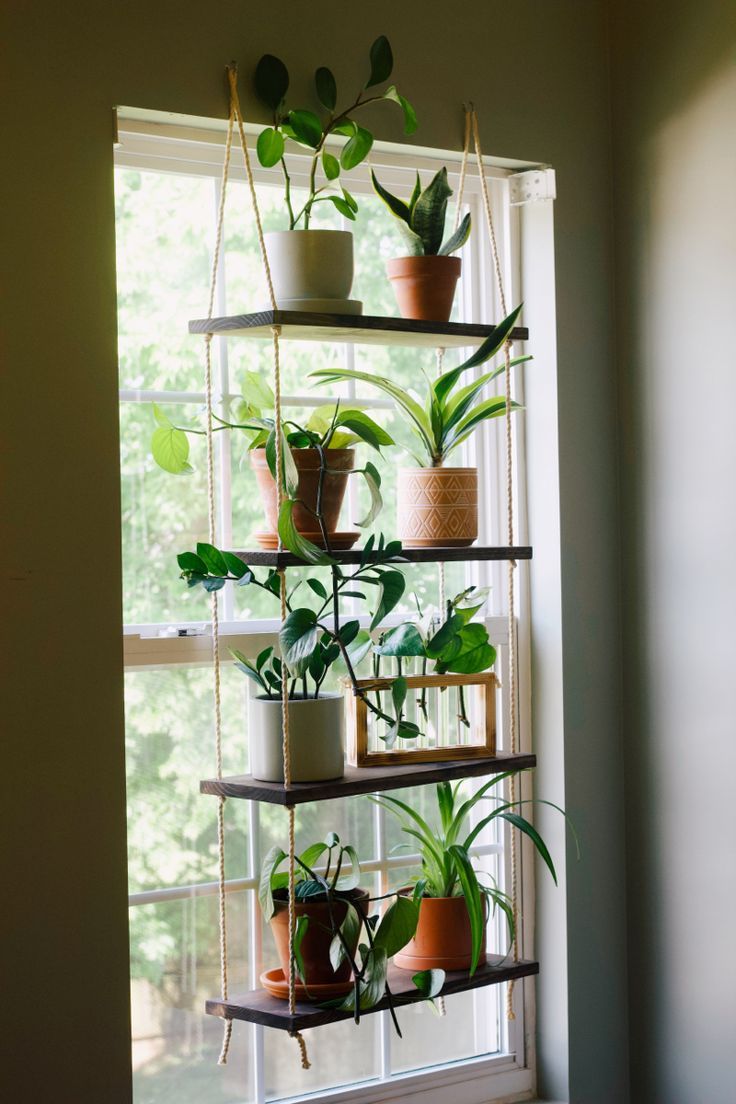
x: 270, y: 147
x: 382, y: 62
x: 324, y: 82
x: 356, y: 149
x: 271, y: 81
x: 307, y: 127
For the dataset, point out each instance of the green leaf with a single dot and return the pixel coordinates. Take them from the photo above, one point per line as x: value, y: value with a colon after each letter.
x: 326, y: 86
x: 364, y: 427
x: 395, y: 205
x: 398, y: 694
x: 348, y: 632
x: 382, y: 62
x: 350, y: 931
x: 300, y: 930
x: 484, y: 352
x: 404, y: 640
x: 356, y: 149
x: 473, y: 900
x: 293, y: 540
x: 458, y: 239
x: 263, y: 657
x: 307, y: 127
x: 318, y: 588
x: 213, y: 558
x: 428, y: 216
x: 410, y: 115
x: 359, y: 648
x: 265, y: 897
x: 170, y: 449
x: 529, y: 830
x: 350, y: 199
x: 346, y: 129
x: 397, y: 926
x: 271, y: 81
x: 429, y: 982
x: 331, y: 165
x: 409, y: 405
x: 416, y: 192
x: 373, y: 481
x: 189, y: 561
x: 472, y: 654
x: 256, y: 392
x: 349, y: 881
x: 342, y: 205
x: 390, y: 590
x: 236, y: 566
x: 270, y: 147
x: 299, y: 636
x: 244, y: 664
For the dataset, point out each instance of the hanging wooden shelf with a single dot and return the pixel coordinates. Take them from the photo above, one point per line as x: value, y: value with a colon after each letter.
x: 353, y: 329
x: 259, y: 557
x: 257, y: 1006
x: 363, y: 780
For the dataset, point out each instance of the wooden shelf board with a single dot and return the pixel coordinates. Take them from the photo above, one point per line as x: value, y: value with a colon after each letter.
x: 363, y: 780
x: 361, y: 329
x: 257, y: 1006
x: 259, y: 557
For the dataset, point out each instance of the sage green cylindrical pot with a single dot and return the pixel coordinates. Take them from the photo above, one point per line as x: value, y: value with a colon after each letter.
x: 316, y: 737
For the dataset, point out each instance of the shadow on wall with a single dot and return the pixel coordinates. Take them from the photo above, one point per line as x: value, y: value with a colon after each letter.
x: 675, y: 120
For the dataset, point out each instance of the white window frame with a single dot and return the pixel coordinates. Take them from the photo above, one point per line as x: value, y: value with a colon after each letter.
x: 149, y: 144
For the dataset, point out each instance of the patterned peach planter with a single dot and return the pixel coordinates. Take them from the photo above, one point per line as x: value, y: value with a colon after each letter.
x: 438, y: 507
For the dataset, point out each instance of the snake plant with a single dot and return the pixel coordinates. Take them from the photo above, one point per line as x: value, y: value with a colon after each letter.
x: 445, y: 851
x: 422, y: 217
x: 449, y: 413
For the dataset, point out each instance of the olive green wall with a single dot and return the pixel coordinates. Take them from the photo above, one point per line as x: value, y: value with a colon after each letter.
x: 675, y: 156
x: 537, y: 72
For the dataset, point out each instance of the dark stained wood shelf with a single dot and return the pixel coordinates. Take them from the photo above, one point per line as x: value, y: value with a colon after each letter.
x: 259, y: 557
x: 363, y: 780
x: 257, y: 1006
x: 354, y: 329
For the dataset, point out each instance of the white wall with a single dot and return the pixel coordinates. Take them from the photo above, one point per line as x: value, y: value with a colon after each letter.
x: 675, y: 122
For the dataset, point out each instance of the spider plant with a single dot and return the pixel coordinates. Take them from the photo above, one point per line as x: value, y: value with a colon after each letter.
x: 450, y: 413
x: 447, y: 868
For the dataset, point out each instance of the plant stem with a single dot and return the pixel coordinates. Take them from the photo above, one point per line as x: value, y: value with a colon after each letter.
x: 287, y: 194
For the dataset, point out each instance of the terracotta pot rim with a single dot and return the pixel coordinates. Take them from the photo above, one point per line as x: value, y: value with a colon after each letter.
x: 300, y: 453
x: 359, y: 895
x: 422, y: 260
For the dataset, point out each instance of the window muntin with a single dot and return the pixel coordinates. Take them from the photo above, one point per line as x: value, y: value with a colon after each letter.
x: 172, y: 840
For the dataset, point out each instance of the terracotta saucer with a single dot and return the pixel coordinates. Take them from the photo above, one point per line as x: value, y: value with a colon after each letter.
x: 274, y: 982
x: 339, y: 541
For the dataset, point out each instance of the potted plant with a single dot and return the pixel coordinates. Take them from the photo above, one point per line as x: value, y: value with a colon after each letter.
x: 425, y: 280
x: 312, y: 270
x: 438, y: 505
x: 311, y: 641
x: 331, y: 962
x: 318, y: 459
x: 453, y: 902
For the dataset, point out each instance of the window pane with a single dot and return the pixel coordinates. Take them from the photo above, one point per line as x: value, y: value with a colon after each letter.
x: 164, y: 232
x: 175, y: 966
x: 468, y: 1030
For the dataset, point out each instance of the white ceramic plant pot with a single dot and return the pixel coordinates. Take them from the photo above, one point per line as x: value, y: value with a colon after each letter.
x: 312, y: 270
x: 316, y: 737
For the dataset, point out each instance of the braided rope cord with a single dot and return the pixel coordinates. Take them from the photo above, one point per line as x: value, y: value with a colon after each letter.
x: 214, y: 597
x: 286, y: 744
x: 471, y: 122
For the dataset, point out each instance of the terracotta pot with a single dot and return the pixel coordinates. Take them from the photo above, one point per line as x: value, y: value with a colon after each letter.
x: 340, y: 462
x: 442, y: 940
x: 425, y: 286
x: 317, y: 938
x: 437, y: 507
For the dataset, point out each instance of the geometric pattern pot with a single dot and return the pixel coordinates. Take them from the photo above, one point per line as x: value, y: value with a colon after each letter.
x: 437, y: 507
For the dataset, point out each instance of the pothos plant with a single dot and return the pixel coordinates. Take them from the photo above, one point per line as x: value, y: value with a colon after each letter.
x: 447, y: 868
x: 308, y: 129
x: 456, y: 645
x: 335, y: 883
x: 312, y: 640
x: 449, y: 413
x: 328, y: 427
